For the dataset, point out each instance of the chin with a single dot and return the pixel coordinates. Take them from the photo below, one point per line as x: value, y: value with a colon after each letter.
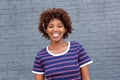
x: 56, y: 40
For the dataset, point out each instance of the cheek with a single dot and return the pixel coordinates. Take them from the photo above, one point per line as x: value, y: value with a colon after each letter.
x: 47, y: 30
x: 63, y: 30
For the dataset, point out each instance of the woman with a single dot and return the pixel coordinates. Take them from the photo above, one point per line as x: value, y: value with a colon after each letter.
x: 61, y: 59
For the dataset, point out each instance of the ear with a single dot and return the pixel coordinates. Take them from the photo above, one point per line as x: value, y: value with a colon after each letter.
x: 46, y: 31
x: 66, y: 30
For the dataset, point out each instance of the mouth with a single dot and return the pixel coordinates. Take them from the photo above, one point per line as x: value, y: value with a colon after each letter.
x: 56, y: 34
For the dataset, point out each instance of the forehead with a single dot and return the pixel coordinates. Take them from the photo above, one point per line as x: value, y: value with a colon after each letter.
x: 55, y: 21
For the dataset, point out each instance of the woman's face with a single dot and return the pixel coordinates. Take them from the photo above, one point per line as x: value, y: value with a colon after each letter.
x: 55, y: 30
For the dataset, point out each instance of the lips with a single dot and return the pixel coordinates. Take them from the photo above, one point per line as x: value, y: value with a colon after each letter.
x: 55, y: 35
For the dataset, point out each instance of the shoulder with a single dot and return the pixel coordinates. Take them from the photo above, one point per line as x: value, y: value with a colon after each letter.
x: 75, y: 43
x: 41, y: 52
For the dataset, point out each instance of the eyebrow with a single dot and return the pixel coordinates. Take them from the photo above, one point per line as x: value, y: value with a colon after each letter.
x: 58, y: 24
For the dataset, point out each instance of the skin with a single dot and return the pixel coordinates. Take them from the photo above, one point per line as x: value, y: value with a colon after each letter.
x: 38, y: 76
x: 85, y: 72
x: 56, y: 30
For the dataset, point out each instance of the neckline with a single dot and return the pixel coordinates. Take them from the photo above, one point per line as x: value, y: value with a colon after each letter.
x: 60, y: 54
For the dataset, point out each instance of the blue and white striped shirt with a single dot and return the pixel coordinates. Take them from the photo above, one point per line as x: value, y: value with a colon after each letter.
x: 63, y: 66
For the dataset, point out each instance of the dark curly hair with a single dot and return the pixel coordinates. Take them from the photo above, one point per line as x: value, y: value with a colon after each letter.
x: 54, y: 13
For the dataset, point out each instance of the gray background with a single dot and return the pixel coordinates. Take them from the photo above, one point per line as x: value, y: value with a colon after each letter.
x: 96, y: 25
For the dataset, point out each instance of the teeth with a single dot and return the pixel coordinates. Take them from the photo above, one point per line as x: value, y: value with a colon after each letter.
x: 55, y: 35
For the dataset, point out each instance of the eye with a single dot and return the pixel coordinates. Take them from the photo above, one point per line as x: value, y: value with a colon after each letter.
x: 60, y: 26
x: 50, y: 26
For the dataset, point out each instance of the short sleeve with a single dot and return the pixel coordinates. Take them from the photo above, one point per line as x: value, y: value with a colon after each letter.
x: 83, y: 57
x: 37, y: 67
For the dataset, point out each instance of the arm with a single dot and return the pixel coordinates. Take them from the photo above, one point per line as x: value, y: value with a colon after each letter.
x: 85, y: 72
x: 38, y: 76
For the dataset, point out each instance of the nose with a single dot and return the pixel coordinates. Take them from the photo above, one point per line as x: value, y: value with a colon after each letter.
x: 55, y: 29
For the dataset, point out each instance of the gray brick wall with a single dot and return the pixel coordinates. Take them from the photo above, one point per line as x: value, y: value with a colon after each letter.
x: 96, y: 26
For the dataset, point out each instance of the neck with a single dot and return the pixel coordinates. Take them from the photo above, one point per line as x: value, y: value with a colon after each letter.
x: 58, y: 44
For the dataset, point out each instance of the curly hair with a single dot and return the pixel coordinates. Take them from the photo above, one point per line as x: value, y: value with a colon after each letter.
x: 54, y: 13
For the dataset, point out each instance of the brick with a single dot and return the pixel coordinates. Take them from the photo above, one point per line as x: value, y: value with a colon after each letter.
x: 96, y: 26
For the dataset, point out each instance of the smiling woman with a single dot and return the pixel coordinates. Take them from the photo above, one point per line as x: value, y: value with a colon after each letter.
x: 60, y: 60
x: 51, y: 14
x: 55, y: 30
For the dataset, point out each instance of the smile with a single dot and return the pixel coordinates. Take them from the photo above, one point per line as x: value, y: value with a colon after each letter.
x: 55, y: 35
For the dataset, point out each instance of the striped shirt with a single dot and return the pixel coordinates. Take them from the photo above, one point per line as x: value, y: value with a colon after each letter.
x: 63, y: 66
